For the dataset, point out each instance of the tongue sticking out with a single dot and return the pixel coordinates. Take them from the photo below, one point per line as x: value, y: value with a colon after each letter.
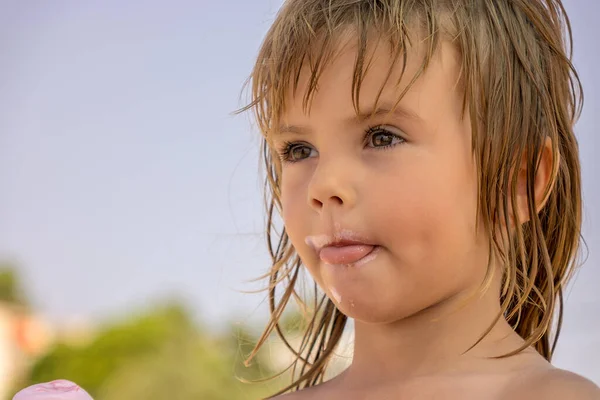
x: 344, y: 254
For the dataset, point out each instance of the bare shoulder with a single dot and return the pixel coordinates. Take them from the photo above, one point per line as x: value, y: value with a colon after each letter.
x: 553, y: 383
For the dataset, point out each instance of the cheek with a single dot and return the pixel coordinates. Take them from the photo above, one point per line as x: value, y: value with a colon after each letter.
x: 293, y: 201
x: 430, y: 215
x: 294, y: 213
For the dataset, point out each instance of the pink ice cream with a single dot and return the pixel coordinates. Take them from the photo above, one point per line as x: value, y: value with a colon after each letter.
x: 56, y: 390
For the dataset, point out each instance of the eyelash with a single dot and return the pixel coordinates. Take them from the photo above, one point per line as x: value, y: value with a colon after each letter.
x: 287, y: 147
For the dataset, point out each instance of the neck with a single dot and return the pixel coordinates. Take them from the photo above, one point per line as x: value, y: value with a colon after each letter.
x: 433, y: 342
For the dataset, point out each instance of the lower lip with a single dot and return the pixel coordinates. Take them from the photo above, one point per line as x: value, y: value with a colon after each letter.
x: 351, y: 250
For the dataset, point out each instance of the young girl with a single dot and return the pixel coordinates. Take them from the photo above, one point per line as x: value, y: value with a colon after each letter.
x: 421, y: 154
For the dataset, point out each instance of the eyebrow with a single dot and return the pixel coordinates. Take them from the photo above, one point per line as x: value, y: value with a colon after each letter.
x: 389, y: 109
x: 383, y: 110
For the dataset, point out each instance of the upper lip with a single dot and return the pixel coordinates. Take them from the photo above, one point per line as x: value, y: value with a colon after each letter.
x: 343, y: 237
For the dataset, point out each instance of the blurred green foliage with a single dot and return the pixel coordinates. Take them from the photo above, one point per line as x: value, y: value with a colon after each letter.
x: 159, y: 355
x: 10, y: 286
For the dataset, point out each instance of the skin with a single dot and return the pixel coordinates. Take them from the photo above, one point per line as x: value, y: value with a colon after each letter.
x: 417, y: 200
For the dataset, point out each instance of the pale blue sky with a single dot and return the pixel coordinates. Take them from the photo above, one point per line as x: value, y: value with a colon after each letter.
x: 124, y: 177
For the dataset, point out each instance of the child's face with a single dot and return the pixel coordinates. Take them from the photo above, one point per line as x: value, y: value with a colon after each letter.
x: 415, y: 200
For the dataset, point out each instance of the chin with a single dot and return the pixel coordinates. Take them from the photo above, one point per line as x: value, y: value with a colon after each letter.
x: 387, y: 311
x: 367, y: 312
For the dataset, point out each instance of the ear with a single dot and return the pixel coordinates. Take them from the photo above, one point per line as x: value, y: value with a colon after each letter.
x: 543, y: 181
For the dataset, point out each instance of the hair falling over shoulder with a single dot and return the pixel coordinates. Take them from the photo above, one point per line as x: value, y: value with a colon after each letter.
x: 520, y: 88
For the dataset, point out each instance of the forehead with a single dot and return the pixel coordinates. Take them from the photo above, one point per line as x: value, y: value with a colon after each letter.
x: 382, y: 79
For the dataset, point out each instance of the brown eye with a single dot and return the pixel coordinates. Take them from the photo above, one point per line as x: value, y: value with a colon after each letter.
x: 294, y: 152
x: 299, y: 152
x: 382, y: 138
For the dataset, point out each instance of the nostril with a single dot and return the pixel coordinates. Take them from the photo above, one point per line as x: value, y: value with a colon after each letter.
x: 333, y: 200
x: 316, y: 203
x: 337, y: 199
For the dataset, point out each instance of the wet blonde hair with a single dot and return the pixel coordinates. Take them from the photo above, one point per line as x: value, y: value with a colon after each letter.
x: 520, y: 88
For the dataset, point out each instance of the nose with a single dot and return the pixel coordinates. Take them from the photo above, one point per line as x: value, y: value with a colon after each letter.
x: 332, y: 185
